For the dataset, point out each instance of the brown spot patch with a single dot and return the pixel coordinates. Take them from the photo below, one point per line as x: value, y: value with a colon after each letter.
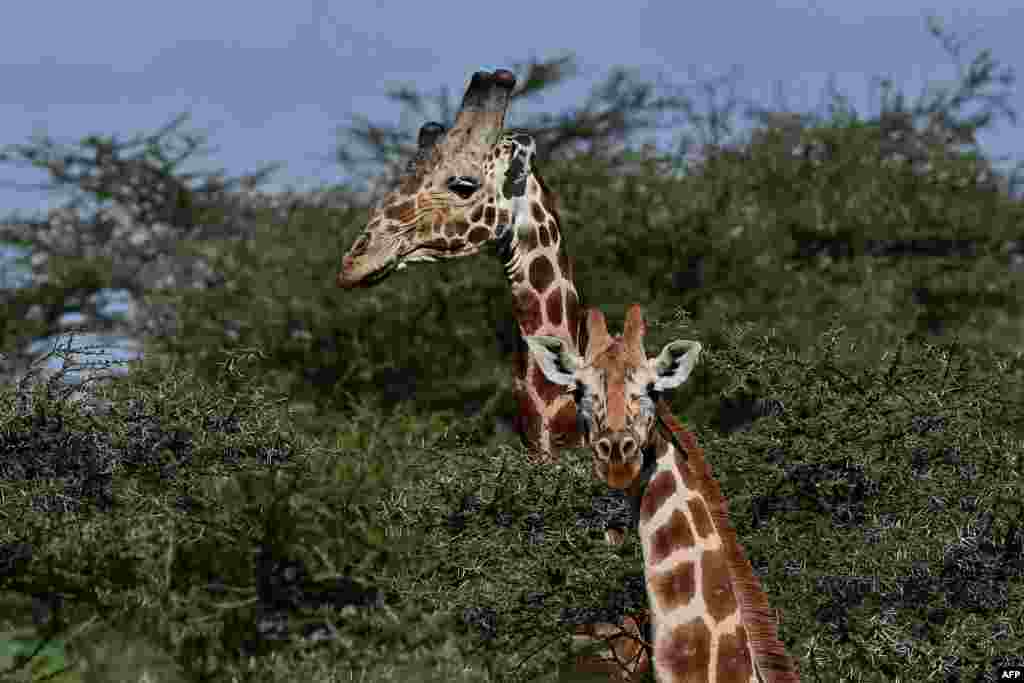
x: 456, y: 244
x: 690, y: 479
x: 553, y: 229
x: 734, y: 658
x: 701, y: 518
x: 477, y: 214
x: 438, y: 244
x: 716, y: 585
x: 456, y: 228
x: 527, y: 311
x: 541, y: 274
x: 686, y: 651
x: 564, y: 421
x: 658, y: 491
x: 538, y: 213
x: 542, y: 234
x: 528, y: 420
x: 411, y: 183
x: 670, y: 536
x: 520, y: 363
x: 489, y: 216
x: 479, y: 234
x: 503, y: 216
x: 553, y: 306
x: 673, y: 589
x: 403, y: 212
x: 547, y: 391
x: 688, y: 439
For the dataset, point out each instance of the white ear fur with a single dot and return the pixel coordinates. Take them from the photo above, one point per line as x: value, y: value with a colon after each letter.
x: 675, y: 363
x: 557, y: 360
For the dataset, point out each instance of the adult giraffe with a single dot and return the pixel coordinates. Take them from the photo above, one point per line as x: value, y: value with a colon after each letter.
x: 467, y: 189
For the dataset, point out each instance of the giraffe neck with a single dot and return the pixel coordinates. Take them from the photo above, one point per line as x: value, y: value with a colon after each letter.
x: 545, y: 301
x: 710, y: 617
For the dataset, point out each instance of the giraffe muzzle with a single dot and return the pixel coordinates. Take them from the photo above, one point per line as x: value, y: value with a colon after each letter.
x: 355, y: 274
x: 618, y: 459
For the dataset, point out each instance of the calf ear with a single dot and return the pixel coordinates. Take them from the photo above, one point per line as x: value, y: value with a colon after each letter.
x: 557, y: 360
x: 675, y: 363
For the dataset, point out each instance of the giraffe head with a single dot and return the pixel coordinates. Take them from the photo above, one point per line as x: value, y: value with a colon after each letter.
x: 710, y: 617
x: 616, y: 386
x: 462, y: 186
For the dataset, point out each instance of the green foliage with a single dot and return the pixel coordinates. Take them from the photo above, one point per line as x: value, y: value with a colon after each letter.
x: 304, y: 484
x: 208, y: 481
x: 874, y: 489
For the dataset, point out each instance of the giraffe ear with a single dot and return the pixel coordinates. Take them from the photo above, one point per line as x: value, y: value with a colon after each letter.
x: 674, y: 364
x: 557, y: 360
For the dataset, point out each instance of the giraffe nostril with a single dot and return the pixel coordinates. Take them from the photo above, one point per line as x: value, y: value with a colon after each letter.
x: 604, y: 449
x: 628, y: 448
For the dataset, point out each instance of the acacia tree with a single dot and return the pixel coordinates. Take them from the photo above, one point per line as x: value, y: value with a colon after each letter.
x: 128, y: 201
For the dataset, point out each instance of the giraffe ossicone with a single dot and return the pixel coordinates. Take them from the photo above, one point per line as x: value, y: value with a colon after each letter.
x: 468, y: 188
x: 615, y: 427
x: 425, y: 217
x: 710, y: 616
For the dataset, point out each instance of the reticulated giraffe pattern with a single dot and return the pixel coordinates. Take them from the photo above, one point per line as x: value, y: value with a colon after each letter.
x: 468, y: 188
x: 710, y: 617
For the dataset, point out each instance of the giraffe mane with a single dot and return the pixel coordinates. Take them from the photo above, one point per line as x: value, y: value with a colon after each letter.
x: 755, y: 613
x: 549, y: 198
x: 553, y: 203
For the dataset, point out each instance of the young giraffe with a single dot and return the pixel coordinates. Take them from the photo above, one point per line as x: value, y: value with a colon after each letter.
x: 710, y: 616
x: 467, y: 189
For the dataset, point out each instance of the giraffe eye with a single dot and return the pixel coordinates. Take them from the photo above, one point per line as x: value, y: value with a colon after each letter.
x: 463, y: 185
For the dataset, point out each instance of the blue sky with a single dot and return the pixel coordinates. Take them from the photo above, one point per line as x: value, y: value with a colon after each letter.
x: 273, y: 81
